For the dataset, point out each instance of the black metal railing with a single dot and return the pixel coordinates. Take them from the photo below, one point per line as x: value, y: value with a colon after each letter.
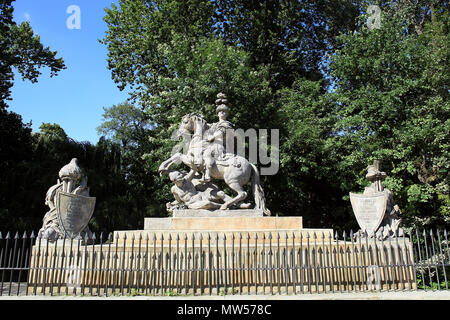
x: 222, y: 263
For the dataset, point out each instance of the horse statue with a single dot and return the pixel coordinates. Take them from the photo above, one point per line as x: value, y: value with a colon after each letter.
x: 234, y: 170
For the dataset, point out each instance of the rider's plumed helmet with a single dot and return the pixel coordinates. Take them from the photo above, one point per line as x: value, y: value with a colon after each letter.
x: 222, y: 103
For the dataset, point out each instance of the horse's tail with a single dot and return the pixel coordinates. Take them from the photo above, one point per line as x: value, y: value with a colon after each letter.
x: 258, y: 193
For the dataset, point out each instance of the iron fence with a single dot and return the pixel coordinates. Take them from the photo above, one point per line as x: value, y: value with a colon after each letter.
x: 215, y: 263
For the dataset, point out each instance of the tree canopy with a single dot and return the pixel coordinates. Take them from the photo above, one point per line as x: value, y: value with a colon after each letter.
x: 22, y: 50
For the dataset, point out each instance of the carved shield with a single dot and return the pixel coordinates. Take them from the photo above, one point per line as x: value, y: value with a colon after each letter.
x: 369, y: 210
x: 74, y: 211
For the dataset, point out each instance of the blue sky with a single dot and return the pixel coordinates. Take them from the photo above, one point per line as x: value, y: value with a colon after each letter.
x: 73, y: 99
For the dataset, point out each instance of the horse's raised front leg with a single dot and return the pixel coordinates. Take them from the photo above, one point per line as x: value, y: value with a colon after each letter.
x: 241, y: 195
x: 165, y: 166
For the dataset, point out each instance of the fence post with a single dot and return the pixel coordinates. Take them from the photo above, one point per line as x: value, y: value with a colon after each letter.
x: 442, y: 260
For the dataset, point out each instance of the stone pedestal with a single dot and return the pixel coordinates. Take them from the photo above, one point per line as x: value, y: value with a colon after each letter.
x: 219, y: 226
x: 223, y: 223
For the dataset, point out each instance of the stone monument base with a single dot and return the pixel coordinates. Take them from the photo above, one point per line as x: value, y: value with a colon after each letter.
x: 219, y: 227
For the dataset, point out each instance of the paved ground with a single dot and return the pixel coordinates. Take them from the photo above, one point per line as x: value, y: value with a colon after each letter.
x: 415, y: 295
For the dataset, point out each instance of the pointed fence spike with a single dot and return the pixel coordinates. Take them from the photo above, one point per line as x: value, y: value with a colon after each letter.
x: 293, y: 235
x: 264, y: 236
x: 323, y: 236
x: 24, y: 235
x: 162, y: 237
x: 117, y: 236
x: 178, y: 237
x: 193, y: 236
x: 248, y: 236
x: 278, y: 235
x: 147, y: 237
x: 344, y: 235
x: 217, y: 236
x: 170, y: 237
x: 140, y: 236
x: 94, y: 237
x: 154, y: 237
x: 256, y: 236
x: 232, y: 236
x: 209, y: 236
x: 201, y: 236
x: 286, y: 236
x: 0, y: 235
x: 270, y: 235
x: 8, y: 236
x: 133, y: 237
x: 32, y: 235
x: 185, y: 237
x: 17, y: 235
x: 224, y: 237
x: 336, y: 235
x: 240, y: 236
x: 307, y: 236
x: 314, y: 235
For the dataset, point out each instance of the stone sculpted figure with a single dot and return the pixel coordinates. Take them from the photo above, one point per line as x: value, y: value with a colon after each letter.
x: 207, y: 154
x: 191, y: 194
x: 217, y: 137
x: 71, y: 181
x: 390, y: 225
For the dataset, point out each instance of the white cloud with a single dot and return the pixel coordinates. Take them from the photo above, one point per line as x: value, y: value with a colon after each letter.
x: 27, y: 16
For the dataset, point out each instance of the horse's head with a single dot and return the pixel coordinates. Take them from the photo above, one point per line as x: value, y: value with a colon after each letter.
x: 194, y: 124
x: 186, y: 125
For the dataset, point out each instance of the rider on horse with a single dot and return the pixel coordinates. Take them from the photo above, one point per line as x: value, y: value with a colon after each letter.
x: 218, y: 137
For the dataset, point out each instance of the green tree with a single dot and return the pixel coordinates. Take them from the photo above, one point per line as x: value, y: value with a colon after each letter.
x: 16, y: 150
x: 392, y: 93
x: 124, y: 123
x: 309, y: 183
x: 21, y: 49
x: 289, y: 37
x: 127, y: 126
